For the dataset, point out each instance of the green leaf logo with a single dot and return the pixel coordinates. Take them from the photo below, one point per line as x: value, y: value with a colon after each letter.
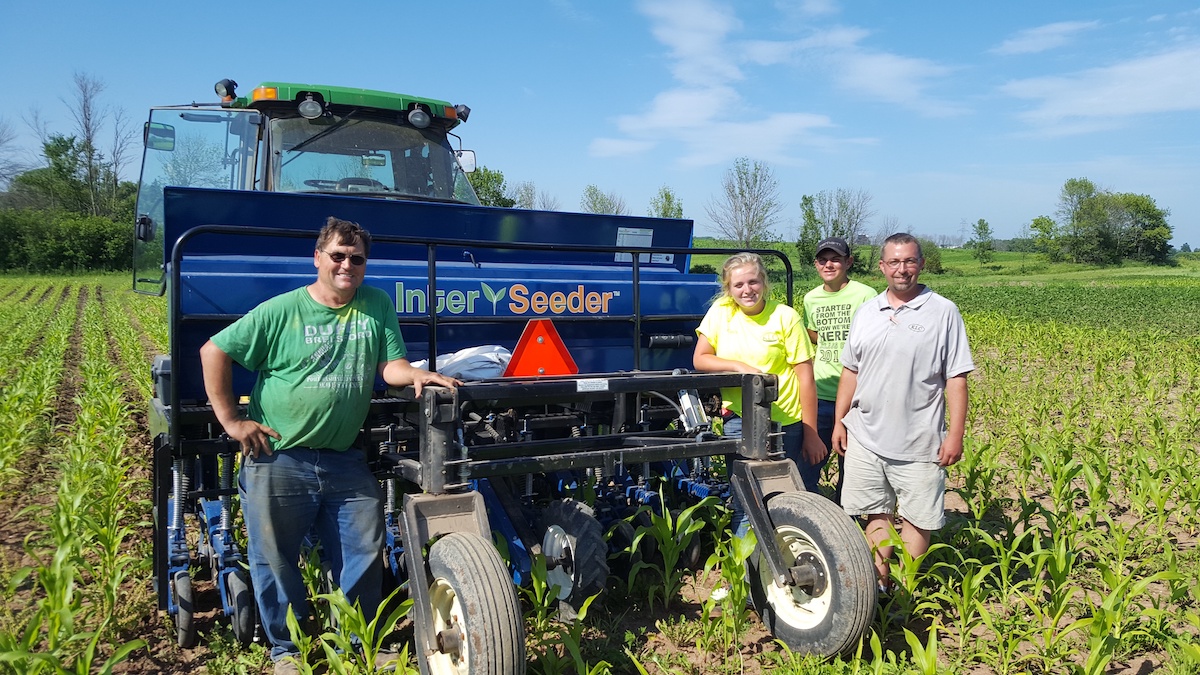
x: 493, y: 296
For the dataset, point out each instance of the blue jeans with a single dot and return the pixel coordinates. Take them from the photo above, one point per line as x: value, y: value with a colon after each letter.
x: 291, y: 493
x: 825, y: 414
x: 793, y: 449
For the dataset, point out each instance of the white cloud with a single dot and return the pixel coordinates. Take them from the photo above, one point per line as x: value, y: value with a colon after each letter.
x: 808, y: 7
x: 570, y: 10
x: 837, y: 38
x: 708, y: 118
x: 695, y: 31
x: 768, y: 52
x: 714, y: 126
x: 771, y: 139
x: 691, y: 108
x: 1043, y: 38
x: 879, y: 76
x: 892, y: 78
x: 1103, y: 98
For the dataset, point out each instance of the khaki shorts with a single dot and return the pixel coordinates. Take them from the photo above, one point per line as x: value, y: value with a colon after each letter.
x: 875, y: 484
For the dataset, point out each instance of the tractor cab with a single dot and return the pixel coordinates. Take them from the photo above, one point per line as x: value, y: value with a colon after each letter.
x: 298, y: 138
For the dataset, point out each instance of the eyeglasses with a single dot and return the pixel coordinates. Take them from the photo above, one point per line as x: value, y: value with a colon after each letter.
x: 338, y: 257
x: 907, y: 262
x: 823, y: 261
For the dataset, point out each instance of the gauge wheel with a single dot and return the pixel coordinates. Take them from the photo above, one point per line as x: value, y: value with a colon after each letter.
x: 185, y: 614
x: 241, y: 599
x: 475, y: 612
x: 830, y: 617
x: 573, y: 538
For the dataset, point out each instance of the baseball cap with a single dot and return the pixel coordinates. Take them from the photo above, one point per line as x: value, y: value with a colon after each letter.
x: 835, y: 244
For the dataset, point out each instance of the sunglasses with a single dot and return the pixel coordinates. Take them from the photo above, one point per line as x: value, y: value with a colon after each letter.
x: 338, y: 257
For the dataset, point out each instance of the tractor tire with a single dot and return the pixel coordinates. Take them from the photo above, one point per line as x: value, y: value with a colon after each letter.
x: 185, y: 616
x: 571, y: 531
x: 620, y: 548
x: 832, y: 620
x: 244, y: 619
x: 475, y: 612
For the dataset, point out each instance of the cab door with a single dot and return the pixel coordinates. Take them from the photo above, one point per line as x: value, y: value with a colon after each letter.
x: 187, y: 147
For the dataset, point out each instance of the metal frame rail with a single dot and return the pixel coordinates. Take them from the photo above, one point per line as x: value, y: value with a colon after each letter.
x: 443, y: 467
x: 443, y: 477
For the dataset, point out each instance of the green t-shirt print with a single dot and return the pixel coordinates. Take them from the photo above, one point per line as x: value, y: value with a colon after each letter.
x: 316, y: 365
x: 829, y: 314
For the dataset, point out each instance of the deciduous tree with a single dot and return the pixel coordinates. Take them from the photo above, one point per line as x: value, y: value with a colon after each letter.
x: 1103, y: 227
x: 547, y: 201
x: 983, y: 246
x: 596, y: 201
x: 810, y: 231
x: 9, y: 165
x: 1149, y: 234
x: 748, y: 205
x: 1046, y: 238
x: 525, y: 195
x: 665, y: 204
x: 842, y: 212
x: 489, y: 186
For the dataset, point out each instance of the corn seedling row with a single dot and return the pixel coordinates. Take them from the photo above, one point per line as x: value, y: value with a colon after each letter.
x: 1070, y: 547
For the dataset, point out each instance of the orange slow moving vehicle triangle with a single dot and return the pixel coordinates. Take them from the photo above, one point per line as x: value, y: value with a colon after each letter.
x: 540, y: 351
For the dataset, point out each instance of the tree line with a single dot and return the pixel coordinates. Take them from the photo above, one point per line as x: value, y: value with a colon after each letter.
x: 1094, y: 226
x: 71, y: 211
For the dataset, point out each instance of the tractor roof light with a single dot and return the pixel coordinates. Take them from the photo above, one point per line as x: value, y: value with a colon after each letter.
x: 226, y: 89
x: 419, y: 118
x: 310, y: 109
x: 463, y: 111
x: 265, y: 94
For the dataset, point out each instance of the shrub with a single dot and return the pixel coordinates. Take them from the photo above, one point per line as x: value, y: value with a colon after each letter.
x: 933, y: 256
x: 60, y: 241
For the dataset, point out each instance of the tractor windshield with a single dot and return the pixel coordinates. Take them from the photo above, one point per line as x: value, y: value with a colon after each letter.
x: 368, y: 155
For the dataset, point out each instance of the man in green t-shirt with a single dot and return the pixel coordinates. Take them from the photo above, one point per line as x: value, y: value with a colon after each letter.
x: 828, y: 309
x: 316, y: 350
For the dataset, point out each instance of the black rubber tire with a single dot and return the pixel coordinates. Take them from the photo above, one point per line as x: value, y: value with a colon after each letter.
x: 833, y: 621
x: 241, y: 597
x: 471, y: 593
x: 569, y: 526
x: 185, y: 617
x: 620, y: 548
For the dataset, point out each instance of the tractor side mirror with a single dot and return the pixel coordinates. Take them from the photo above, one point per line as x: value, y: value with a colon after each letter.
x: 466, y: 159
x: 143, y: 228
x: 159, y: 136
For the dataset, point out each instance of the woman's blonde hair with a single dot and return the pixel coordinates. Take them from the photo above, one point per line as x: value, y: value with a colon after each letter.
x: 736, y: 261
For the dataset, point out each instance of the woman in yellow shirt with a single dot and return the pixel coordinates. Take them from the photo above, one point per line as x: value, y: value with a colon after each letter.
x: 746, y: 331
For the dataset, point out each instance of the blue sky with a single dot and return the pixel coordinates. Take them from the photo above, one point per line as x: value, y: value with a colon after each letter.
x: 945, y: 112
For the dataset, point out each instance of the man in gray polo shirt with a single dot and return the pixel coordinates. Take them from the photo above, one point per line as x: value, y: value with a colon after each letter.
x: 904, y: 364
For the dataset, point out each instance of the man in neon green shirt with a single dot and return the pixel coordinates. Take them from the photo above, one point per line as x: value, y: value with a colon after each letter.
x: 828, y: 309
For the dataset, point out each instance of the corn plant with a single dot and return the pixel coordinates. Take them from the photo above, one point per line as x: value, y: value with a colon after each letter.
x: 355, y: 640
x: 725, y: 619
x: 561, y: 651
x: 673, y: 535
x: 541, y: 596
x: 966, y: 598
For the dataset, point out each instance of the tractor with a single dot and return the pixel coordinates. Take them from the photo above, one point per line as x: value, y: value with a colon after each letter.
x: 587, y: 409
